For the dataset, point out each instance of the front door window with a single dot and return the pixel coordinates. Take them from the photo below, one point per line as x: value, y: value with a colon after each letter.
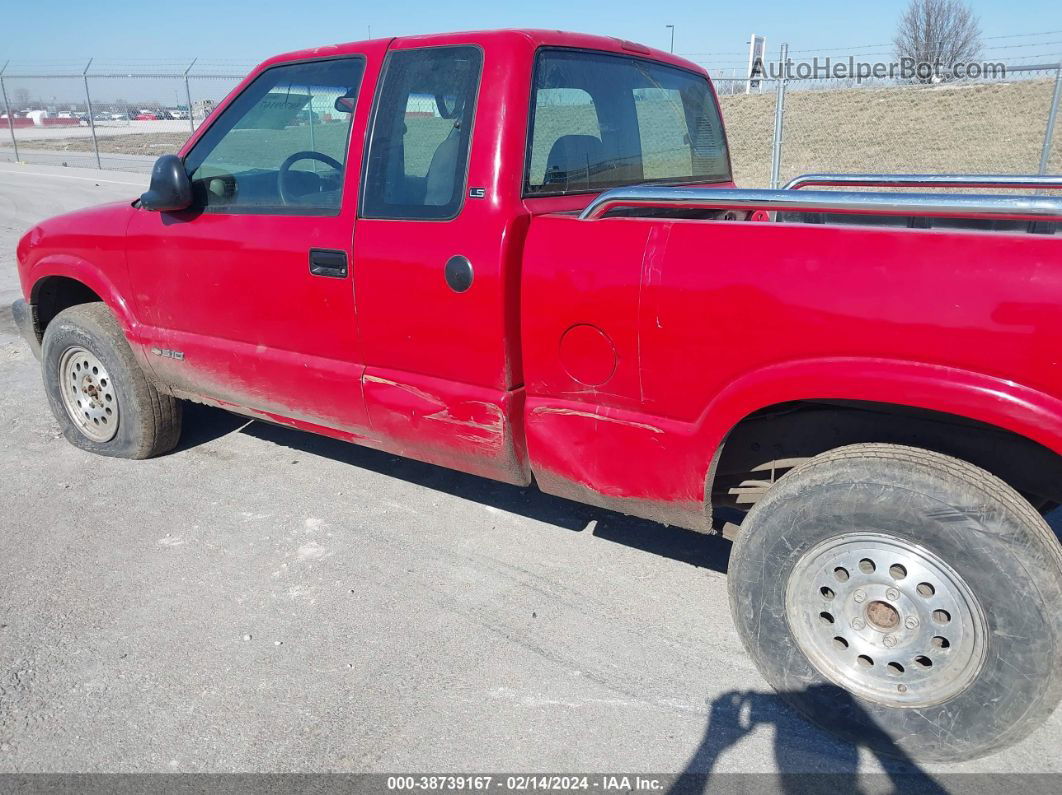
x: 281, y: 146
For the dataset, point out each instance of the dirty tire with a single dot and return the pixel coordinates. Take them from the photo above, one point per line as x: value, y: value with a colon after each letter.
x: 149, y: 422
x: 981, y: 528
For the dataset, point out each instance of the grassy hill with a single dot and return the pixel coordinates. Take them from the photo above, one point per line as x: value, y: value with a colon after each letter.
x: 963, y: 128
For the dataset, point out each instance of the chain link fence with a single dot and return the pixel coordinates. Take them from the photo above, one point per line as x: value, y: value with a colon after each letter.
x: 992, y: 126
x: 123, y: 114
x: 107, y: 114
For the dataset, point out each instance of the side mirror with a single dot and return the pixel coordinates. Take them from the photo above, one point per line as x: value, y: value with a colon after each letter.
x: 170, y: 188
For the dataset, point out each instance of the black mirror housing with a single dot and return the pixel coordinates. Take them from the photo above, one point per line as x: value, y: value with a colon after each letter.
x: 170, y: 189
x: 344, y: 104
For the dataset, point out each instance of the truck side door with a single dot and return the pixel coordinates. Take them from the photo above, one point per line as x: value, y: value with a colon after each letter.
x: 435, y: 263
x: 247, y: 297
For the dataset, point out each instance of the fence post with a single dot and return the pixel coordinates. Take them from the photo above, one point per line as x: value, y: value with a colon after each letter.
x: 779, y: 118
x: 7, y: 110
x: 1052, y: 117
x: 188, y: 94
x: 91, y: 115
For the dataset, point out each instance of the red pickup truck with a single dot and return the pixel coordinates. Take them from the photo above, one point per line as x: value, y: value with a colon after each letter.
x: 521, y: 254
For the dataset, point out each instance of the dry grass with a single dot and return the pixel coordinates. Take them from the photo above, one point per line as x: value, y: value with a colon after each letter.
x: 961, y: 128
x: 142, y: 144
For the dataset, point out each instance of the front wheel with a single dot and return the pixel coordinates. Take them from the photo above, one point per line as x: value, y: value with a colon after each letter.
x: 97, y: 391
x: 904, y: 599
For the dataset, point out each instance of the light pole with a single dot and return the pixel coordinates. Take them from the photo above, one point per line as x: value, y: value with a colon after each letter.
x: 672, y: 36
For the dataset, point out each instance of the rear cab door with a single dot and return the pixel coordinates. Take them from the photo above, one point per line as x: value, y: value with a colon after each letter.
x: 437, y: 250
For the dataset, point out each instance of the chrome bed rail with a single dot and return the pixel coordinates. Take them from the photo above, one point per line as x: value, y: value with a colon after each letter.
x: 1010, y: 181
x: 983, y: 206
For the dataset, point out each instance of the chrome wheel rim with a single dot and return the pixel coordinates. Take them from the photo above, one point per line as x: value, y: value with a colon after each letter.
x: 886, y: 619
x: 88, y: 394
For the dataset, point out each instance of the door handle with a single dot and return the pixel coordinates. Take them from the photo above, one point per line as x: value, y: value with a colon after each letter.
x: 328, y: 262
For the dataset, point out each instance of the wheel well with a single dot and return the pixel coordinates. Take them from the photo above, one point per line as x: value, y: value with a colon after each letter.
x: 52, y: 294
x: 769, y: 442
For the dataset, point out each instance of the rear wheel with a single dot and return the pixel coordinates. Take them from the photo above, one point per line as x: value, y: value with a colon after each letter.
x: 904, y: 599
x: 97, y: 391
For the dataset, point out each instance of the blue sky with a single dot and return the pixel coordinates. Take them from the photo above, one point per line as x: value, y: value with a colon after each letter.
x: 62, y: 30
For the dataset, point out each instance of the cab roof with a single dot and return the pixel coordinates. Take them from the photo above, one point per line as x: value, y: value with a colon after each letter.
x: 518, y: 39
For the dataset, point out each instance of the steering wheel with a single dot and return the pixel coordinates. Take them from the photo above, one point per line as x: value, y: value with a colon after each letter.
x: 283, y: 188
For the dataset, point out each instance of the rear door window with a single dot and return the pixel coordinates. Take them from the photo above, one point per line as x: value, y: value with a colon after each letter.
x: 417, y: 162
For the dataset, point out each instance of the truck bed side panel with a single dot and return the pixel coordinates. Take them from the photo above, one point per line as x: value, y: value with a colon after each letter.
x: 709, y: 321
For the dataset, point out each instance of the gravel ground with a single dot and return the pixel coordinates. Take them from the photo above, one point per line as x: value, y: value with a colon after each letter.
x: 267, y: 600
x: 128, y: 144
x: 104, y: 129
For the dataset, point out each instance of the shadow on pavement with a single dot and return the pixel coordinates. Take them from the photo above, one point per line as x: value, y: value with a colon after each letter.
x: 675, y: 543
x: 202, y: 424
x: 806, y: 757
x: 1054, y: 519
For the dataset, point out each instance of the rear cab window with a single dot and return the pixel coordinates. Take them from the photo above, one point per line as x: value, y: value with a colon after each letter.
x: 601, y: 121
